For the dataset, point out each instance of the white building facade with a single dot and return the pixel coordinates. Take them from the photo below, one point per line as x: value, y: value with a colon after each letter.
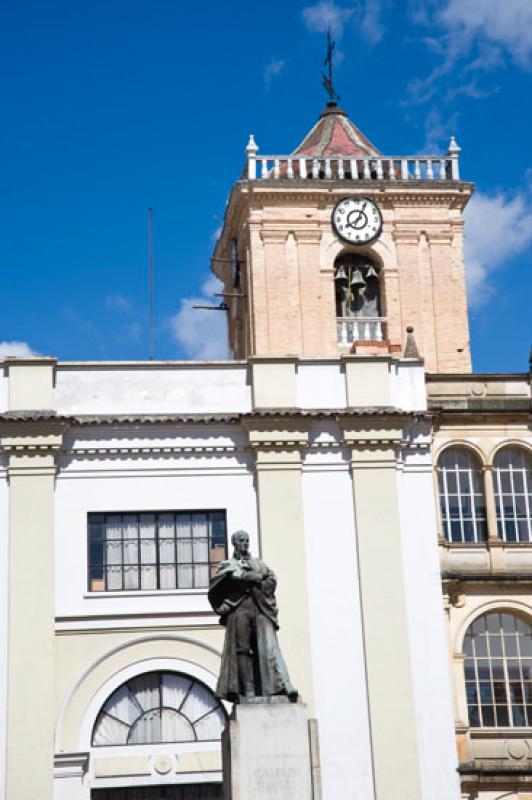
x: 336, y: 495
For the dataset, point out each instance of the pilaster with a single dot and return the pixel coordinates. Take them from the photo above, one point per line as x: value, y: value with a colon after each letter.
x: 373, y: 444
x: 277, y: 443
x: 31, y: 449
x: 450, y: 309
x: 274, y: 305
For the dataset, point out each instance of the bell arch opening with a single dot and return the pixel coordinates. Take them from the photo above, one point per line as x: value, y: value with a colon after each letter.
x: 358, y: 298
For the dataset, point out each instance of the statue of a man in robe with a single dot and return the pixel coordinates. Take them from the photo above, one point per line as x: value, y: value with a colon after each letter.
x: 243, y: 593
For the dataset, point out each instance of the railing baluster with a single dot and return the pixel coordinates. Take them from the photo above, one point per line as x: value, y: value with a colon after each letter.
x: 251, y: 152
x: 374, y: 168
x: 364, y: 329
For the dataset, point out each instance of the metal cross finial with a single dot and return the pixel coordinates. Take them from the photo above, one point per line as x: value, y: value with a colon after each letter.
x: 327, y: 79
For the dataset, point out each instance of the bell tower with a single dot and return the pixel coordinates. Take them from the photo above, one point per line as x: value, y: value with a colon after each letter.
x: 338, y: 248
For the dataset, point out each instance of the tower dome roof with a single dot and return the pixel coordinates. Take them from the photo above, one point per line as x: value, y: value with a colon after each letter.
x: 335, y: 135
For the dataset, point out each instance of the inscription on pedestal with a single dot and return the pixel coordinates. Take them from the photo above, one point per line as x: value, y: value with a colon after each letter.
x: 266, y: 753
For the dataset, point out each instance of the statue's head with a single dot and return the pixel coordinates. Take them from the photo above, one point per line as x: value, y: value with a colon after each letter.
x: 240, y: 541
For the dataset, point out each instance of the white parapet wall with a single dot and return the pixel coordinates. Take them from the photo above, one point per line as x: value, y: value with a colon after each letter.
x: 152, y: 388
x: 222, y: 387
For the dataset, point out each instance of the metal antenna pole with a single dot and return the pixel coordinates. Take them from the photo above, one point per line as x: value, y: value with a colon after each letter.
x: 151, y: 282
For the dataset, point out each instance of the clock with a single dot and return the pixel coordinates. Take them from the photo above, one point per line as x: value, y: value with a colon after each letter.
x: 357, y: 220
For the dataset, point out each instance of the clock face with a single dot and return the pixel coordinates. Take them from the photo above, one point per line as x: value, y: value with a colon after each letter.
x: 357, y: 220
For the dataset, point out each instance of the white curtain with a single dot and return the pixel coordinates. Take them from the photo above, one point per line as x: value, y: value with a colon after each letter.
x: 210, y: 727
x: 174, y: 689
x: 200, y: 550
x: 109, y: 731
x: 146, y: 690
x: 147, y: 552
x: 184, y: 552
x: 175, y: 728
x: 148, y: 729
x: 198, y: 703
x: 167, y: 551
x: 131, y: 552
x: 122, y: 706
x: 113, y: 551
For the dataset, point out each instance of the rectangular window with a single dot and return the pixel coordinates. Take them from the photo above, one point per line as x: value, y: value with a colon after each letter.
x: 150, y: 551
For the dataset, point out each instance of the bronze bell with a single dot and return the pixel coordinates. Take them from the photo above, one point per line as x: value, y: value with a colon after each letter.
x: 357, y: 281
x: 372, y: 273
x: 340, y: 274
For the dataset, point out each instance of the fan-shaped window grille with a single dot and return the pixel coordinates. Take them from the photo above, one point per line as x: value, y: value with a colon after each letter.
x: 463, y: 510
x: 159, y: 707
x: 512, y: 483
x: 498, y: 671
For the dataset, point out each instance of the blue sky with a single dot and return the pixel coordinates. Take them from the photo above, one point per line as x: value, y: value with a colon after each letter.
x: 110, y: 107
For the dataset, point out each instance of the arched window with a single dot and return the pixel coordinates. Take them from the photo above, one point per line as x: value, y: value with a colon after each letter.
x: 512, y: 484
x: 498, y: 671
x: 159, y: 707
x: 463, y: 508
x: 357, y: 292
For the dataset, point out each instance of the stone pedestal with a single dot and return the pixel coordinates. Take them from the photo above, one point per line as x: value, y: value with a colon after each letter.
x: 267, y: 753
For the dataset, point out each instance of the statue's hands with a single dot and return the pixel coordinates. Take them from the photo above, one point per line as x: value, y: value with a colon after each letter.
x: 251, y: 576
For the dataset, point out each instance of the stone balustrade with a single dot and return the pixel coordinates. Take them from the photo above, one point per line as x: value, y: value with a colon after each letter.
x: 374, y: 168
x: 356, y: 329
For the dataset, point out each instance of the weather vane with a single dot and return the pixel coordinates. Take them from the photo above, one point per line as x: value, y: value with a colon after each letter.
x: 327, y: 79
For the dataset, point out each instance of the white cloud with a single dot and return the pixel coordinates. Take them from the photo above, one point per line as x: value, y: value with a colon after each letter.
x: 470, y: 40
x: 118, y: 302
x: 215, y: 235
x: 272, y: 70
x: 496, y: 228
x: 202, y: 334
x: 322, y: 16
x: 16, y: 349
x: 438, y: 128
x: 371, y: 24
x: 507, y: 23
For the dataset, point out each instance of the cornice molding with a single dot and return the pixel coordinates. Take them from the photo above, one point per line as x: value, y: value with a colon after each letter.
x: 270, y: 236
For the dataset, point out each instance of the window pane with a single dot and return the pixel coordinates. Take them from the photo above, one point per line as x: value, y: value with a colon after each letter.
x: 488, y: 716
x: 503, y: 719
x: 496, y: 678
x: 151, y: 551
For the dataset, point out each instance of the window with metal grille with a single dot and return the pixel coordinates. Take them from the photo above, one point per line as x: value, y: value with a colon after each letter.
x: 498, y: 671
x: 150, y: 551
x: 512, y: 484
x: 159, y: 707
x: 463, y: 508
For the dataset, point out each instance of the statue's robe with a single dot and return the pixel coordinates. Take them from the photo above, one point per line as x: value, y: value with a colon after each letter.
x: 227, y: 590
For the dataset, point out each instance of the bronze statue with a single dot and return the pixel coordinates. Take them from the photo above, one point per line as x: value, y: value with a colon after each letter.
x: 243, y: 593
